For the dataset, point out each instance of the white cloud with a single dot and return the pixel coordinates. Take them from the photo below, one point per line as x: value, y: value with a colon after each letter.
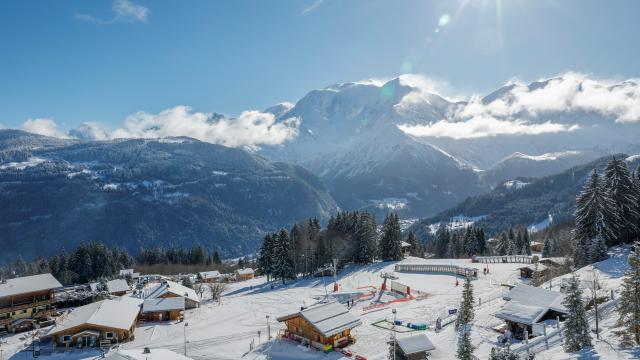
x: 43, y: 126
x: 478, y: 127
x: 90, y: 131
x: 311, y: 7
x: 522, y: 109
x: 123, y: 11
x: 127, y: 11
x: 251, y: 128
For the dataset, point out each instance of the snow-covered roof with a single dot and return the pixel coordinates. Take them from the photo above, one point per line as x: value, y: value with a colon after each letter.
x: 528, y: 304
x: 125, y: 272
x: 117, y: 285
x: 163, y: 304
x: 535, y: 267
x: 415, y: 344
x: 118, y: 313
x: 329, y: 319
x: 405, y: 244
x: 214, y: 274
x: 139, y: 354
x: 174, y: 288
x: 245, y: 271
x: 28, y: 284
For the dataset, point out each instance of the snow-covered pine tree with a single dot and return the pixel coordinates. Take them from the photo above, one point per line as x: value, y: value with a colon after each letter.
x: 526, y: 242
x: 390, y: 245
x: 482, y: 242
x: 470, y: 242
x: 547, y: 247
x: 502, y: 247
x: 443, y: 239
x: 512, y: 248
x: 465, y: 311
x: 465, y: 348
x: 366, y: 238
x: 283, y: 263
x: 597, y: 250
x: 596, y: 213
x: 577, y: 332
x: 499, y: 354
x: 414, y: 250
x: 619, y: 184
x: 629, y: 307
x: 519, y: 242
x: 265, y: 257
x: 636, y: 186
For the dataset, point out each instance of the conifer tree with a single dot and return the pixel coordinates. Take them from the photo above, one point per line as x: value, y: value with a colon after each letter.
x: 266, y: 256
x: 596, y: 214
x: 506, y: 354
x: 526, y: 242
x: 619, y: 184
x: 502, y: 248
x: 465, y: 311
x: 442, y: 241
x: 577, y: 331
x: 283, y: 264
x: 547, y: 247
x: 414, y: 250
x: 465, y: 348
x: 391, y: 240
x: 366, y: 238
x: 629, y: 307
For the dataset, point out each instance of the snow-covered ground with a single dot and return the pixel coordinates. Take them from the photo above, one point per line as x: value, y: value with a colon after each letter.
x: 230, y: 330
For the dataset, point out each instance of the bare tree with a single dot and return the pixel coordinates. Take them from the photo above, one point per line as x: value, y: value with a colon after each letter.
x: 199, y: 288
x: 216, y: 290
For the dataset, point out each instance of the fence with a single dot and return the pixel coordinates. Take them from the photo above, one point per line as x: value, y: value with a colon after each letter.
x: 443, y: 269
x: 524, y: 259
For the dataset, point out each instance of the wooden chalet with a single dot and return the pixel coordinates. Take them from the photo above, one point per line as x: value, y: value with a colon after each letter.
x: 25, y: 301
x: 244, y: 274
x: 170, y: 289
x: 406, y: 248
x: 528, y: 305
x: 209, y: 276
x: 163, y: 309
x: 102, y: 323
x: 537, y: 269
x: 118, y: 287
x: 323, y: 326
x: 536, y: 246
x: 414, y: 347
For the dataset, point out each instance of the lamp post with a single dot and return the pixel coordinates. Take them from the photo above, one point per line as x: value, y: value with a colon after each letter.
x: 394, y: 333
x: 268, y: 329
x: 185, y: 338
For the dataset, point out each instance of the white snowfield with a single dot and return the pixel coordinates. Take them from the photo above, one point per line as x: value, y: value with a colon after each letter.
x: 237, y: 329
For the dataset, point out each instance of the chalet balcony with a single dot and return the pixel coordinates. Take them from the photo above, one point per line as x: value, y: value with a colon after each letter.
x: 4, y: 308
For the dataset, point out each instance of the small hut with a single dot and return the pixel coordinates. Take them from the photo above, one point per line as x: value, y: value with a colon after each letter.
x: 529, y: 271
x: 118, y: 287
x: 415, y: 347
x: 528, y: 305
x: 244, y: 274
x: 162, y: 309
x: 324, y: 326
x: 209, y: 276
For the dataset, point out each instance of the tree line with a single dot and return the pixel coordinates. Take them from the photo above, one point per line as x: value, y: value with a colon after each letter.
x: 349, y: 237
x: 456, y: 244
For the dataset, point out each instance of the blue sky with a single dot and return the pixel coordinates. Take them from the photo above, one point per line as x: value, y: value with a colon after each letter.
x: 77, y: 61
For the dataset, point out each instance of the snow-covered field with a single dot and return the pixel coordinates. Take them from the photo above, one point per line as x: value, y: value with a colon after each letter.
x: 230, y: 330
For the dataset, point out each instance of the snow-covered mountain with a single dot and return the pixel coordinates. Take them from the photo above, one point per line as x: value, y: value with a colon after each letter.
x: 397, y: 145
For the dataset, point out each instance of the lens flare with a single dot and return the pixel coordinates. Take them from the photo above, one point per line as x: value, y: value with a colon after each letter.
x: 444, y: 20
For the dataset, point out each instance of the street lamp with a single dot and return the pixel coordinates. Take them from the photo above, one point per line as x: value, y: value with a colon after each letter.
x: 394, y: 311
x: 268, y: 329
x: 185, y: 338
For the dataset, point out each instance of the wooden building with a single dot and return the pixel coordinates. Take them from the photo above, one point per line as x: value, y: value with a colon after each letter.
x: 170, y: 289
x: 209, y: 276
x: 26, y: 300
x: 414, y: 347
x: 244, y: 274
x: 536, y: 246
x: 537, y: 269
x: 528, y: 305
x: 102, y: 323
x: 323, y: 326
x: 118, y: 287
x: 163, y: 309
x: 406, y: 248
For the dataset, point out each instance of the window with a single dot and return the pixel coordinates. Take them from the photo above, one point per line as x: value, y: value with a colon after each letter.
x: 109, y: 335
x: 24, y: 311
x: 66, y: 338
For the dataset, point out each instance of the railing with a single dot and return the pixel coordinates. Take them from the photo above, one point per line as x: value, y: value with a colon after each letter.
x: 25, y: 305
x: 434, y: 268
x: 524, y: 259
